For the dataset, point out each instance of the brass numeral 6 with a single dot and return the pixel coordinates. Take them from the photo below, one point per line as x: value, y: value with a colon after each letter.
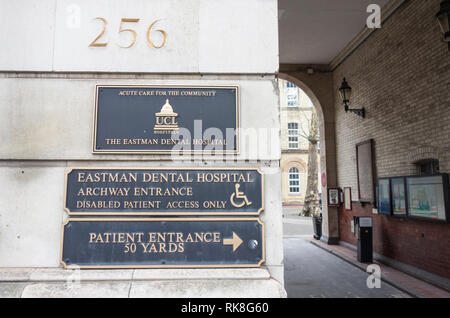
x: 149, y: 36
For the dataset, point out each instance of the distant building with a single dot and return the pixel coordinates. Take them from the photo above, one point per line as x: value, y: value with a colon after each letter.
x: 295, y: 110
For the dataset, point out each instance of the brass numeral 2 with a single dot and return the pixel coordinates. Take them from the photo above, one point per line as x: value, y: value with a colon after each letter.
x: 133, y: 32
x: 94, y: 43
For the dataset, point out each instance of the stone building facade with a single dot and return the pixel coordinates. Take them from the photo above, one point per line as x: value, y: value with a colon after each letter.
x: 295, y: 117
x: 49, y: 70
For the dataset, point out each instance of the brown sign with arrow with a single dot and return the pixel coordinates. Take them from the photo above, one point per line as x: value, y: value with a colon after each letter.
x: 165, y: 243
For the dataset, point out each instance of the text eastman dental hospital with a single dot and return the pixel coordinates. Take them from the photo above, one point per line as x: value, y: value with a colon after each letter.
x: 152, y: 191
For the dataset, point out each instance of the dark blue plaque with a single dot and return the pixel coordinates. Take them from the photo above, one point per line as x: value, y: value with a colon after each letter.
x: 162, y: 119
x: 164, y: 191
x: 165, y: 243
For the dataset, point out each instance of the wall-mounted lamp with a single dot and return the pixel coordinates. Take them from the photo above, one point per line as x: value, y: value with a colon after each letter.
x: 346, y: 92
x: 443, y: 17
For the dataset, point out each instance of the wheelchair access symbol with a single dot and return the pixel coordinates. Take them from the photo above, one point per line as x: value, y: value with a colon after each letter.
x: 239, y: 195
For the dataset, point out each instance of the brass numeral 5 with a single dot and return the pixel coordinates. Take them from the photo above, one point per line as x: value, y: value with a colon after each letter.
x: 128, y: 30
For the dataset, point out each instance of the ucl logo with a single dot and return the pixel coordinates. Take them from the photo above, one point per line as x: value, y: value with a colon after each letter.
x: 166, y: 120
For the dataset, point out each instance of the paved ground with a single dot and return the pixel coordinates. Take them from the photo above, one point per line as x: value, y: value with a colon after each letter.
x: 295, y: 225
x: 312, y: 272
x: 393, y: 276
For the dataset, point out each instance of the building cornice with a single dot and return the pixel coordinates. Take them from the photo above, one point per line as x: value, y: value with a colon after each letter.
x: 295, y: 151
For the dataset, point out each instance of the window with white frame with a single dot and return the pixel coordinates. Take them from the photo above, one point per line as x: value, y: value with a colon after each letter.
x: 293, y: 135
x: 291, y: 95
x: 294, y: 181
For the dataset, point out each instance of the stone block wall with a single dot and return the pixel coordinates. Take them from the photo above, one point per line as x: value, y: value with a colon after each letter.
x: 48, y: 74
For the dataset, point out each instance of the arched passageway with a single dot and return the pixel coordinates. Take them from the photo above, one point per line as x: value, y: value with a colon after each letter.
x: 308, y: 269
x: 318, y: 88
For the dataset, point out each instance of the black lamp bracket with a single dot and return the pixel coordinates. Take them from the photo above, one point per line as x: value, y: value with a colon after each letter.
x: 360, y: 112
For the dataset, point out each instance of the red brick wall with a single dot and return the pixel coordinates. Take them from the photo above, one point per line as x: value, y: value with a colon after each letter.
x: 401, y: 239
x: 401, y: 75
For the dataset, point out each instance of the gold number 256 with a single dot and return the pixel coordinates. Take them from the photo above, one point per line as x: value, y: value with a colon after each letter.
x: 95, y: 43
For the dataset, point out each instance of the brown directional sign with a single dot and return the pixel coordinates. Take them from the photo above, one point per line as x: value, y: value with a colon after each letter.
x: 164, y: 191
x: 163, y: 243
